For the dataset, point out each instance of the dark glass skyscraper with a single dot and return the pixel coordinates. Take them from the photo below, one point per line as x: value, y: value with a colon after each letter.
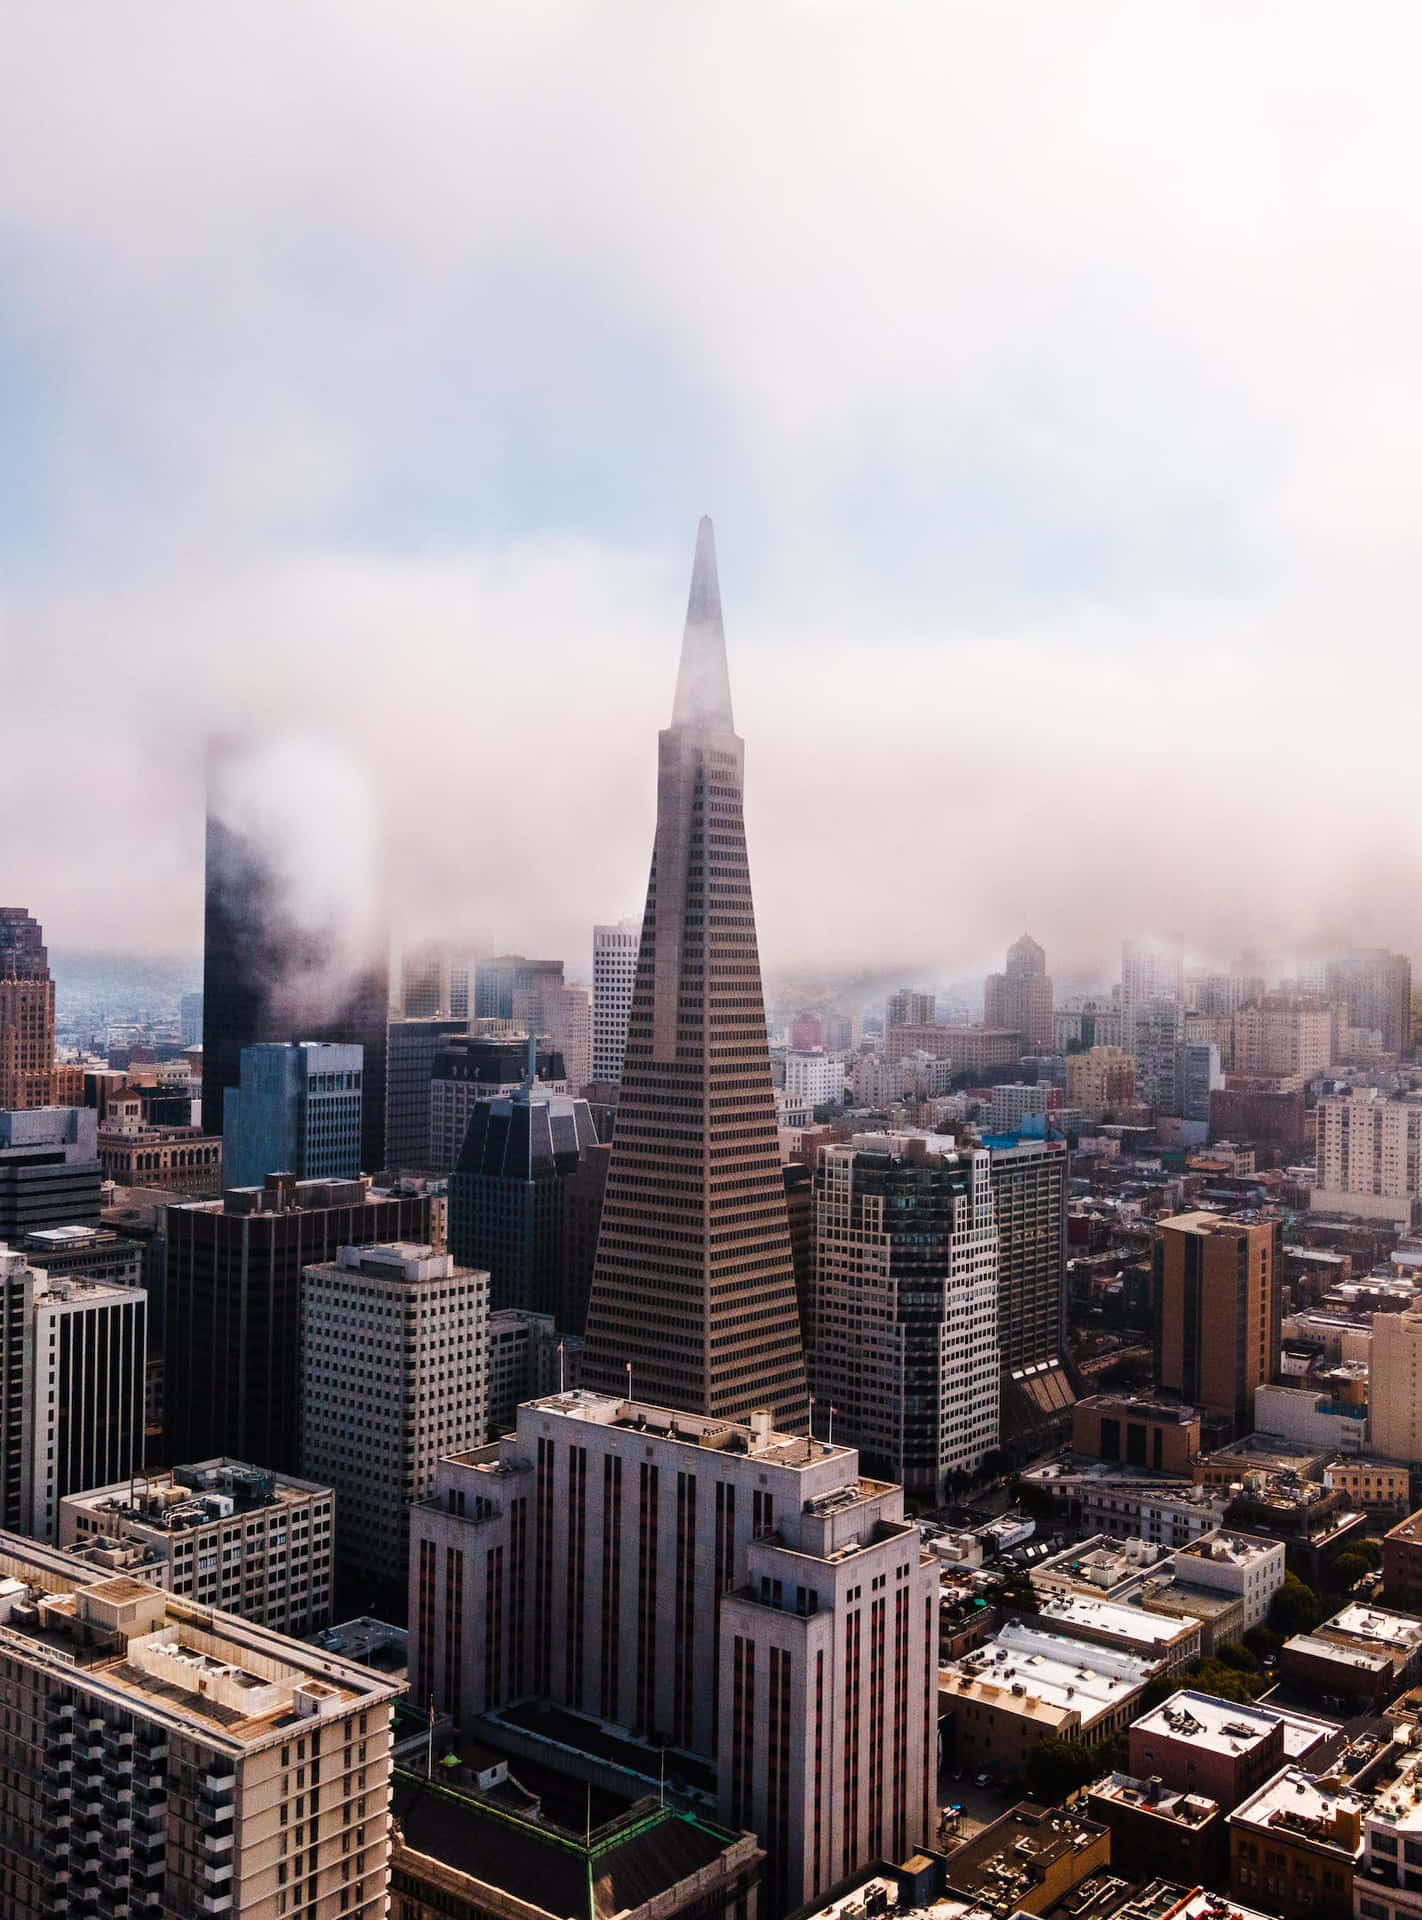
x: 506, y: 1204
x: 694, y: 1284
x: 279, y: 962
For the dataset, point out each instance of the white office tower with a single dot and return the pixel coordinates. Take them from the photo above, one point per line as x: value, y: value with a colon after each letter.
x: 614, y: 971
x: 747, y: 1593
x: 161, y: 1758
x: 906, y: 1306
x: 394, y: 1367
x: 73, y: 1366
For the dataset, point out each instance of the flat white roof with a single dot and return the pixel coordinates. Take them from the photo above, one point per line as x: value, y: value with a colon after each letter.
x: 1108, y: 1616
x: 1065, y: 1675
x: 1206, y: 1721
x: 1401, y: 1630
x: 1295, y: 1800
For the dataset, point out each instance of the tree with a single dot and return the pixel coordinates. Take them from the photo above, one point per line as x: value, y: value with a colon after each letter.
x: 1056, y: 1768
x: 1348, y: 1567
x: 1295, y: 1608
x: 1239, y: 1656
x: 1261, y: 1642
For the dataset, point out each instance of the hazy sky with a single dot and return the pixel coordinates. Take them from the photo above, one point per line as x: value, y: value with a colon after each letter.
x: 1050, y: 372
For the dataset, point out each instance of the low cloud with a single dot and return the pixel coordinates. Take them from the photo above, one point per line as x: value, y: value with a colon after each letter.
x: 1049, y: 373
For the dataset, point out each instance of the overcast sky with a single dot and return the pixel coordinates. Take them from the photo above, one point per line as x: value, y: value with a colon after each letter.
x: 1050, y: 372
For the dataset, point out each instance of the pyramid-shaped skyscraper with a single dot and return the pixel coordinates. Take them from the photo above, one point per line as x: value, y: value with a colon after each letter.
x: 694, y: 1285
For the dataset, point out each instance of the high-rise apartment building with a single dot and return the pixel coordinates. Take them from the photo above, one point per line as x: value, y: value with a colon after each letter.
x: 1156, y: 1027
x: 1101, y: 1081
x: 1284, y: 1034
x: 1374, y: 988
x: 815, y: 1078
x: 231, y: 1297
x: 1152, y: 970
x: 223, y: 1533
x: 73, y: 1355
x: 297, y: 1110
x: 807, y: 1033
x: 1395, y: 1387
x: 394, y: 1374
x: 1369, y: 1158
x: 694, y: 1286
x: 1029, y: 1187
x: 468, y: 1069
x: 26, y: 1012
x: 287, y: 955
x: 908, y: 1007
x: 50, y: 1173
x: 614, y: 971
x: 1087, y: 1023
x: 1197, y: 1076
x: 1217, y: 1288
x: 506, y: 1203
x: 162, y: 1758
x: 906, y: 1306
x: 1020, y: 997
x: 412, y: 1047
x: 747, y: 1595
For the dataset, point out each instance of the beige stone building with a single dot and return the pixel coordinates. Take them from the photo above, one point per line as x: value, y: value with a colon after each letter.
x: 1395, y: 1387
x: 1285, y: 1034
x: 394, y: 1374
x: 1101, y: 1081
x: 157, y: 1757
x: 741, y: 1594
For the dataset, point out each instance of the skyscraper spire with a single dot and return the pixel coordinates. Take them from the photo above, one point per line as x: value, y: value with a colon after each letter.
x: 694, y: 1283
x: 703, y: 684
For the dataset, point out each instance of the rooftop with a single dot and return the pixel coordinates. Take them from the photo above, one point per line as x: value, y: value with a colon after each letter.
x: 756, y: 1437
x: 1046, y: 1676
x: 629, y: 1862
x: 1149, y: 1796
x: 1226, y: 1548
x: 188, y: 1497
x: 1316, y: 1647
x: 1219, y: 1726
x: 1409, y: 1529
x: 999, y: 1867
x: 1399, y: 1803
x: 1376, y: 1624
x: 189, y: 1668
x: 1306, y: 1808
x: 1147, y: 1406
x: 1125, y: 1623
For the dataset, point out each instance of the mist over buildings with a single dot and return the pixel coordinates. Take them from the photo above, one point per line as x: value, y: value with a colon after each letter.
x: 1064, y: 493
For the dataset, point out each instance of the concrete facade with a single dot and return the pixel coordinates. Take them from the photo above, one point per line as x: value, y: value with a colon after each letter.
x: 615, y: 950
x: 745, y: 1596
x: 394, y: 1374
x: 222, y: 1533
x: 162, y: 1756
